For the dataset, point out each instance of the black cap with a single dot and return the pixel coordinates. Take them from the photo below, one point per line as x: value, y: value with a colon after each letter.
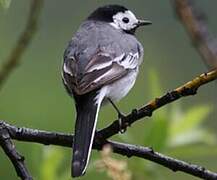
x: 105, y: 13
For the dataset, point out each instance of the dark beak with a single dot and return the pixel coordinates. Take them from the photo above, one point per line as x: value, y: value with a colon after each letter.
x: 144, y: 23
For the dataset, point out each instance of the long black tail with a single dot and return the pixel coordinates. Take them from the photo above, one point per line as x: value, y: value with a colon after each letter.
x: 87, y: 112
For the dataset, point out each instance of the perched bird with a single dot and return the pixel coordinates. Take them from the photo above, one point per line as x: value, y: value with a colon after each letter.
x: 101, y: 63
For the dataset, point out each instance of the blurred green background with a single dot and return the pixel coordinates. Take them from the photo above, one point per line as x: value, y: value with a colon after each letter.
x: 34, y: 95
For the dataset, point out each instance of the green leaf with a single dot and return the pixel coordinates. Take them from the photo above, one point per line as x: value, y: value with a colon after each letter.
x: 176, y: 112
x: 158, y: 130
x: 156, y: 90
x: 190, y: 120
x: 154, y: 83
x: 185, y: 128
x: 5, y: 3
x: 51, y: 162
x: 157, y: 134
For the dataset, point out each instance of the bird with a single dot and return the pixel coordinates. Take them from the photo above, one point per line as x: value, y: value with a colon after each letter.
x: 100, y: 65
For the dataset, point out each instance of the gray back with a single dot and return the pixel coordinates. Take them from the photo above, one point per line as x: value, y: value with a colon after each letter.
x: 93, y: 36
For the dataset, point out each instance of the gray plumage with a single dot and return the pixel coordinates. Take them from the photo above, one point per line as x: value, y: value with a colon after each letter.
x: 98, y: 37
x: 101, y: 62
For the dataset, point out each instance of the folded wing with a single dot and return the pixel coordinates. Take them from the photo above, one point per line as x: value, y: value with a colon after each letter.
x: 101, y: 69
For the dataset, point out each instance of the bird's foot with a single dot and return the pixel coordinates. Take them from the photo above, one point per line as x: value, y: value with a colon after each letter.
x: 121, y: 117
x: 122, y: 126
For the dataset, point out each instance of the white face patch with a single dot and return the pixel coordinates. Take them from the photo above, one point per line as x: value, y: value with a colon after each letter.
x: 126, y: 21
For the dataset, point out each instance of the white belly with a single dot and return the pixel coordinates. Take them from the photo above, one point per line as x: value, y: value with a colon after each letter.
x: 121, y: 87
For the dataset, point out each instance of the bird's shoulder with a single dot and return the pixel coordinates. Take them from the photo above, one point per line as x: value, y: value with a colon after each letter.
x: 92, y: 34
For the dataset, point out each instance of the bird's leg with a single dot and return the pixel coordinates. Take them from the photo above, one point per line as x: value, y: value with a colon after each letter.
x: 120, y: 117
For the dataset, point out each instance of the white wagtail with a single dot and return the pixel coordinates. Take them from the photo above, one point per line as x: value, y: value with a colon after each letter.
x: 101, y: 64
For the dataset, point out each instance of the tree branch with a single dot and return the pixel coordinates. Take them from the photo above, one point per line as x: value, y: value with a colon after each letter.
x: 23, y: 41
x: 189, y: 88
x: 10, y: 150
x: 60, y: 139
x: 166, y: 161
x: 194, y: 22
x: 6, y: 69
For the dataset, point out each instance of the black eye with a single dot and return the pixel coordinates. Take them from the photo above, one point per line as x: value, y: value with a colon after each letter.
x: 125, y: 20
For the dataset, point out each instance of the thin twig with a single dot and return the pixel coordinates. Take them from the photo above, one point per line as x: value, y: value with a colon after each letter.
x: 60, y: 139
x: 10, y: 150
x: 195, y: 24
x: 23, y: 42
x: 190, y: 88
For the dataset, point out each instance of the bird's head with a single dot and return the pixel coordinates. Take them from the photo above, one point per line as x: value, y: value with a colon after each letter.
x: 119, y: 17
